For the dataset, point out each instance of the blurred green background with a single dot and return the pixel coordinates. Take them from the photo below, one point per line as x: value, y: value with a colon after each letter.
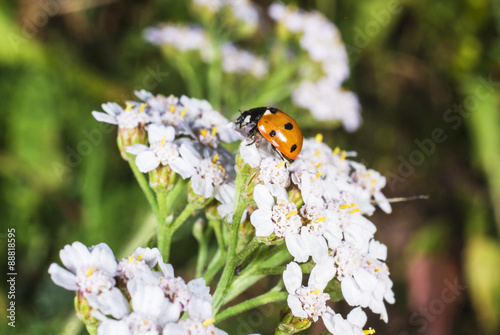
x: 428, y: 78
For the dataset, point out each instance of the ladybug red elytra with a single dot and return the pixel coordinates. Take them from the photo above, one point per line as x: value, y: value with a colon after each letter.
x: 275, y: 126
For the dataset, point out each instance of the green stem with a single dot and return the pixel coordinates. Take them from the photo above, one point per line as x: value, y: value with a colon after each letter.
x: 249, y: 249
x: 239, y: 207
x: 161, y: 228
x: 144, y: 184
x: 278, y: 270
x: 231, y: 264
x: 270, y: 271
x: 215, y: 265
x: 249, y: 276
x: 266, y: 298
x: 169, y: 230
x: 182, y: 217
x: 217, y: 226
x: 203, y: 251
x: 214, y: 82
x: 189, y: 74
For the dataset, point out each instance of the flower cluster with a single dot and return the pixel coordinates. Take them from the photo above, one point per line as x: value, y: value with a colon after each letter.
x: 136, y: 295
x: 183, y: 137
x: 316, y: 85
x: 181, y: 37
x: 317, y: 205
x: 235, y: 60
x: 242, y: 10
x: 321, y: 40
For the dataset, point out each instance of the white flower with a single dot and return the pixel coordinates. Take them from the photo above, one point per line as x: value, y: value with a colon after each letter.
x: 308, y: 302
x: 280, y: 217
x: 162, y: 150
x: 130, y: 117
x: 357, y: 282
x: 371, y: 181
x: 181, y: 37
x: 212, y: 172
x: 138, y: 266
x: 212, y: 127
x: 253, y: 152
x: 245, y: 11
x: 91, y: 272
x: 210, y: 5
x: 151, y: 311
x: 337, y: 325
x: 274, y: 174
x: 235, y: 60
x: 200, y: 319
x: 306, y: 244
x: 327, y: 102
x: 277, y: 11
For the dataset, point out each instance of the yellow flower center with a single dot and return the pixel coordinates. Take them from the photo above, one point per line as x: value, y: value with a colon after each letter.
x: 369, y: 331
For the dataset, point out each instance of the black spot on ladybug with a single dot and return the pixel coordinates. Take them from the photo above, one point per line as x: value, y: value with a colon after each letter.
x: 288, y: 126
x: 273, y: 110
x: 294, y: 147
x: 272, y: 133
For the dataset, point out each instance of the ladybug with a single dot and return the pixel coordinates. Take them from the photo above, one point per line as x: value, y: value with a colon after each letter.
x: 275, y: 126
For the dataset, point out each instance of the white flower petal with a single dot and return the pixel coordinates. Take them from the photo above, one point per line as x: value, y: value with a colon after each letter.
x: 157, y: 132
x: 102, y: 257
x: 146, y: 161
x: 110, y: 302
x: 378, y: 250
x: 112, y: 108
x: 261, y: 220
x: 297, y: 247
x: 190, y: 154
x: 148, y: 300
x: 174, y: 329
x: 382, y: 202
x: 365, y: 280
x: 63, y: 277
x: 167, y: 269
x: 322, y: 273
x: 103, y: 117
x: 201, y: 186
x: 263, y: 197
x: 113, y: 327
x: 357, y: 317
x: 199, y: 288
x: 136, y: 149
x: 180, y: 166
x: 199, y: 309
x: 250, y: 153
x: 292, y: 277
x: 170, y: 312
x: 225, y: 193
x: 351, y: 292
x: 74, y: 256
x: 296, y: 306
x: 151, y: 256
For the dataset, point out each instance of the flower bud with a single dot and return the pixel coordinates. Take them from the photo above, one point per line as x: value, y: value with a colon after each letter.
x: 198, y: 201
x: 128, y: 137
x: 84, y: 313
x: 162, y: 178
x: 290, y: 324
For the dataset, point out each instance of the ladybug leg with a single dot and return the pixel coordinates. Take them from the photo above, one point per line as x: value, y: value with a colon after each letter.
x: 287, y: 160
x: 252, y: 134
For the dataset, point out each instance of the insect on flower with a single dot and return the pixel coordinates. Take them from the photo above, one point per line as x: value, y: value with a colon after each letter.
x: 277, y: 127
